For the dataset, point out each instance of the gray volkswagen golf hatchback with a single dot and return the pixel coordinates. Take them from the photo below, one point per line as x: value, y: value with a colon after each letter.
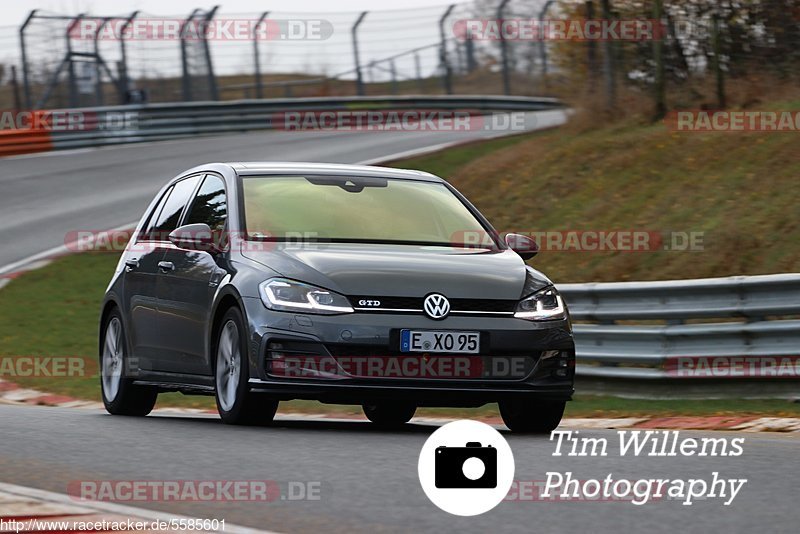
x: 263, y: 282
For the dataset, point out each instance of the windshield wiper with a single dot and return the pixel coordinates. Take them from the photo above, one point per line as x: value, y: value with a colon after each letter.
x: 351, y: 185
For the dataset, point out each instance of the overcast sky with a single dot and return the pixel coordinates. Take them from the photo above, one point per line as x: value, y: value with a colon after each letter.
x: 14, y: 12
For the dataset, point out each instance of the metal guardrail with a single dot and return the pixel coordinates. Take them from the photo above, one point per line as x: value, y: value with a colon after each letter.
x: 757, y: 355
x: 111, y: 125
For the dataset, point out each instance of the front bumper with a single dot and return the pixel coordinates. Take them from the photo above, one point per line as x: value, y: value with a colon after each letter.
x: 320, y: 357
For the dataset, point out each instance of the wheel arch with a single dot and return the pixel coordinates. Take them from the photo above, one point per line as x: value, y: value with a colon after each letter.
x: 227, y: 299
x: 108, y: 306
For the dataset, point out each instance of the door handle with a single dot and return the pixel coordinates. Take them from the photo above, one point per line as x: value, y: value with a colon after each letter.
x: 131, y: 264
x: 166, y: 266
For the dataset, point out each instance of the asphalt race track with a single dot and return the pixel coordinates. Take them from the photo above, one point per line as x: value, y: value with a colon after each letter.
x: 369, y: 478
x: 42, y: 197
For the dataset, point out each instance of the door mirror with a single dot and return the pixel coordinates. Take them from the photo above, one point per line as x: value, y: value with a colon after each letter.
x: 193, y: 237
x: 522, y: 245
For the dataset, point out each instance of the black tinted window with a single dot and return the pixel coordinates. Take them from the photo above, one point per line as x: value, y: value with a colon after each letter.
x: 168, y: 219
x: 147, y: 229
x: 209, y: 205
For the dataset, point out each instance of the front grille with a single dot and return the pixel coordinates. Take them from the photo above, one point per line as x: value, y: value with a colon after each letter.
x: 415, y: 304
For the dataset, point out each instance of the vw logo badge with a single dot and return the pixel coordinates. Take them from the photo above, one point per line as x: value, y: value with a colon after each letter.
x: 436, y: 306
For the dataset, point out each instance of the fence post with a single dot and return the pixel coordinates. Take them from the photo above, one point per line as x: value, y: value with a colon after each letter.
x: 418, y: 72
x: 591, y: 50
x: 354, y: 32
x: 212, y: 80
x: 447, y: 74
x: 73, y: 83
x: 504, y: 49
x: 98, y: 82
x: 658, y: 57
x: 186, y: 85
x: 469, y: 46
x: 15, y: 88
x: 124, y: 80
x: 256, y: 59
x: 460, y: 69
x: 393, y: 70
x: 721, y: 100
x: 26, y: 84
x: 610, y: 67
x: 542, y: 43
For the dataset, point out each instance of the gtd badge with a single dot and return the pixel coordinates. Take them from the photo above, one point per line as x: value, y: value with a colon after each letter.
x: 436, y: 306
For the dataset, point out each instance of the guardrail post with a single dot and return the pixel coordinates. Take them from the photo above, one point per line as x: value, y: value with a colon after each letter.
x: 354, y: 32
x: 504, y: 49
x: 256, y: 59
x: 26, y: 84
x: 446, y: 72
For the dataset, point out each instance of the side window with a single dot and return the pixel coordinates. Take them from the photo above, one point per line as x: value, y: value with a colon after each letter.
x: 209, y: 205
x: 177, y: 199
x: 147, y: 229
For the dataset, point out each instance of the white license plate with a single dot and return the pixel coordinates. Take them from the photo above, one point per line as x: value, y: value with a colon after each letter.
x: 440, y: 341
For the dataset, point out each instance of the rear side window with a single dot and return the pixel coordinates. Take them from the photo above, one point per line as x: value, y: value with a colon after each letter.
x: 209, y: 205
x: 167, y: 219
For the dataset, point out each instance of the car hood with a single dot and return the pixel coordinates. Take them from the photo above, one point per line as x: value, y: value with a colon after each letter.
x: 401, y: 270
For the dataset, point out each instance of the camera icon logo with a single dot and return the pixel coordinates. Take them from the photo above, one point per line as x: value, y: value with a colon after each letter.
x: 466, y: 468
x: 472, y: 466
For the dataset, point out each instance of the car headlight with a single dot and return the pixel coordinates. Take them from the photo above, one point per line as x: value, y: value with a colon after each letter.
x: 541, y: 306
x: 281, y: 294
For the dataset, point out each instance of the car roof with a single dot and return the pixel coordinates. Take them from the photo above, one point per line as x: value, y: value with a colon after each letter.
x: 250, y: 168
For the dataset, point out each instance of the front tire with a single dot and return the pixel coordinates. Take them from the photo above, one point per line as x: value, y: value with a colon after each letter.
x: 235, y: 403
x: 532, y: 417
x: 120, y: 395
x: 389, y: 414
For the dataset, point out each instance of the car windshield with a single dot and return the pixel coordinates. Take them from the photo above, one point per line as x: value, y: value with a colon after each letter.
x: 356, y: 209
